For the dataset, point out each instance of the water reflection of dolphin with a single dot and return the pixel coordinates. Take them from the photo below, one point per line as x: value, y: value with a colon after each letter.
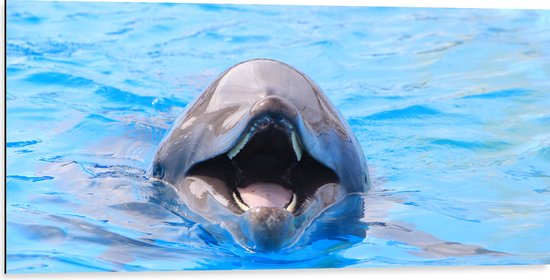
x: 262, y: 152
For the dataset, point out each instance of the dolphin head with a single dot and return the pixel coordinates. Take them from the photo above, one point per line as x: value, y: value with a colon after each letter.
x: 262, y: 152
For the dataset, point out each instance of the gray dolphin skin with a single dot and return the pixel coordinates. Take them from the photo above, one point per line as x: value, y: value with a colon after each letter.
x: 262, y: 152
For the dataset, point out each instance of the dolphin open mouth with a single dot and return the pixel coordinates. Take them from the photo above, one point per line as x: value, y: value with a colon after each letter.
x: 262, y: 153
x: 267, y: 167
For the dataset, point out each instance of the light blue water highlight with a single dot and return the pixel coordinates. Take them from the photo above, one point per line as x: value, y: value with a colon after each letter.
x: 450, y: 105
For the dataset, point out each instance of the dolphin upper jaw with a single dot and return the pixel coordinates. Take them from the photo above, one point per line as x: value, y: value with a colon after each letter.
x: 274, y: 105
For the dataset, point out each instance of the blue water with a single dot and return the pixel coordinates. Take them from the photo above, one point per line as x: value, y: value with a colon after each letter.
x: 450, y: 106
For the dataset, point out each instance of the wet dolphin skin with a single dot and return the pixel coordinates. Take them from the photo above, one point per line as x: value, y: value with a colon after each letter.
x: 262, y: 152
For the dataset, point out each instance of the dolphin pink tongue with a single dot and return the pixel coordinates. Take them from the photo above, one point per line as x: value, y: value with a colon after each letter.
x: 264, y: 194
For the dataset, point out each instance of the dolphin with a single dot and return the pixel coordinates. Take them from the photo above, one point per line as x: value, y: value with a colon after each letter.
x: 262, y: 152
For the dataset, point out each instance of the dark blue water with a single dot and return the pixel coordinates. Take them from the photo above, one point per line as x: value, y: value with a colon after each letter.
x: 450, y: 105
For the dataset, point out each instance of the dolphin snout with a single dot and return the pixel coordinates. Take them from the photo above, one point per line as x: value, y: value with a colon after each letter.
x: 268, y: 228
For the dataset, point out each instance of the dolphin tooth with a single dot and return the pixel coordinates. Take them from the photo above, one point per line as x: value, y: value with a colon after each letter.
x: 292, y: 205
x: 296, y: 146
x: 241, y: 204
x: 235, y: 150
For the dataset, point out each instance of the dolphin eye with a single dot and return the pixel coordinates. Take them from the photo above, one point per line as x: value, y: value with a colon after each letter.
x: 158, y: 171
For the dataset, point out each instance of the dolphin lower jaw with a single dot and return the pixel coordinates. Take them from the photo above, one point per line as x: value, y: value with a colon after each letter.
x: 267, y: 228
x: 271, y: 229
x: 259, y: 228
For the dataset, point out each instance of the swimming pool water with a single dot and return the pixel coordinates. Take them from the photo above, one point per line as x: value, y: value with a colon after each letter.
x: 450, y: 106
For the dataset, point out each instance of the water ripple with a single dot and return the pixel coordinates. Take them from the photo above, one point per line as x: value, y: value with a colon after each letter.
x: 62, y: 79
x: 22, y: 143
x: 29, y: 178
x: 471, y: 145
x: 412, y: 112
x: 500, y: 94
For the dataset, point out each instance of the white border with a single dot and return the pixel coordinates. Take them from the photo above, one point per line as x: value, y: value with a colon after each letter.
x: 424, y: 273
x: 502, y: 4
